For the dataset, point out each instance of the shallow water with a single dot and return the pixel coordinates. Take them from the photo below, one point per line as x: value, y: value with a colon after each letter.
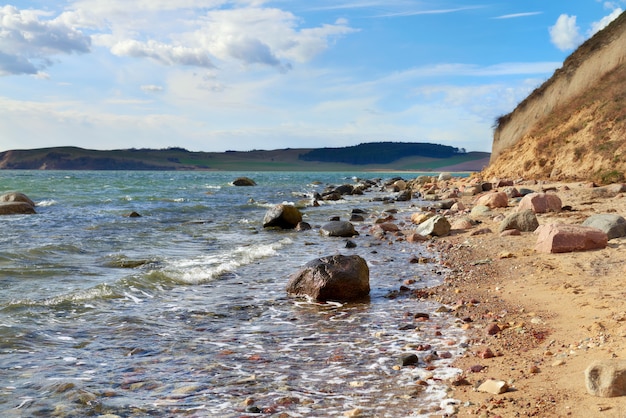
x: 183, y: 312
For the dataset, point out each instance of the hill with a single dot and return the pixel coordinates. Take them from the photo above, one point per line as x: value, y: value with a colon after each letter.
x: 574, y: 125
x: 384, y: 156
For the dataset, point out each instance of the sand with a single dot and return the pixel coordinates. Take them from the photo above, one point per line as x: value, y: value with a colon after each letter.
x: 557, y: 312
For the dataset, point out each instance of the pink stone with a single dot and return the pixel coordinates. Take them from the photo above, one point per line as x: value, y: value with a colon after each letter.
x: 555, y: 238
x: 494, y: 200
x: 540, y: 203
x: 510, y: 232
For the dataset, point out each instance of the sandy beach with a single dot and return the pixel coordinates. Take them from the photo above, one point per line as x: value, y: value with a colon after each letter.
x: 556, y: 313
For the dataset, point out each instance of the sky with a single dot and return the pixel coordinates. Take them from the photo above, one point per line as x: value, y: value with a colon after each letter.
x: 218, y: 75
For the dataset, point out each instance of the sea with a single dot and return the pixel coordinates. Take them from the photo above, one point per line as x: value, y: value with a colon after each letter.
x: 182, y: 311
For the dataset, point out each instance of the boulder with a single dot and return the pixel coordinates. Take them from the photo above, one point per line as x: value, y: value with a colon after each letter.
x: 606, y: 378
x: 16, y: 208
x: 282, y: 216
x: 480, y: 210
x: 614, y: 225
x: 436, y: 226
x: 419, y: 217
x: 444, y: 176
x: 540, y: 203
x: 462, y: 223
x: 338, y: 229
x: 244, y: 181
x: 337, y: 277
x: 16, y: 197
x: 611, y: 190
x: 555, y: 238
x: 494, y: 200
x: 524, y: 221
x: 404, y: 196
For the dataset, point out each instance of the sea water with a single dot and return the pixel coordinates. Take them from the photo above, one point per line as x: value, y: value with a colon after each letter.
x: 183, y: 311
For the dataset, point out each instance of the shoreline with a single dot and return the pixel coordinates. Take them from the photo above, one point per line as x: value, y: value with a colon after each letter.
x: 555, y: 313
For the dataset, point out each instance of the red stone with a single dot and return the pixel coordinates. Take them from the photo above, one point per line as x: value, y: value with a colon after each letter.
x: 555, y: 238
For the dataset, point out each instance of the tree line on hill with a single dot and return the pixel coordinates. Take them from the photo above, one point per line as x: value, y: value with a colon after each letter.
x: 380, y: 152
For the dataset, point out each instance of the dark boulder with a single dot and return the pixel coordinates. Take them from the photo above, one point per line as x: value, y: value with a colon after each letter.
x: 282, y: 216
x: 337, y: 278
x: 338, y: 229
x: 244, y: 181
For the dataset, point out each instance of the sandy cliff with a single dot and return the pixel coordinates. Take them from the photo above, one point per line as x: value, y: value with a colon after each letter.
x: 574, y: 125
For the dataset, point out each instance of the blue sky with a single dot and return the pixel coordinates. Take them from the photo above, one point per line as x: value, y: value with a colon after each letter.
x: 217, y: 75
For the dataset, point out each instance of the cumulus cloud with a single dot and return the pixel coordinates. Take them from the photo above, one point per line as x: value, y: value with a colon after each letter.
x: 565, y: 34
x: 163, y: 53
x: 28, y: 40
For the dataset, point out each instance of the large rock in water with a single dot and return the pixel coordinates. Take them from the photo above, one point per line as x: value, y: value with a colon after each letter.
x: 338, y: 229
x: 606, y: 378
x: 614, y: 225
x: 337, y: 278
x: 244, y: 181
x: 282, y: 216
x: 554, y: 238
x: 15, y: 203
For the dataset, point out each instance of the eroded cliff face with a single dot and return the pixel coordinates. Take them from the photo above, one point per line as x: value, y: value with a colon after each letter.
x: 574, y: 125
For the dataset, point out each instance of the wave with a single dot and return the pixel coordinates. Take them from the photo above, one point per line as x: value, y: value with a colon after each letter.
x: 45, y: 203
x: 204, y: 269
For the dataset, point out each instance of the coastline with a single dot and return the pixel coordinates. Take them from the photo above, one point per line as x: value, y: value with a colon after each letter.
x: 556, y: 313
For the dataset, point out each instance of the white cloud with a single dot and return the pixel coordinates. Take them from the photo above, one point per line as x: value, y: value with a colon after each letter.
x: 516, y: 15
x: 604, y: 22
x: 28, y: 40
x: 162, y: 53
x: 565, y: 35
x: 152, y: 88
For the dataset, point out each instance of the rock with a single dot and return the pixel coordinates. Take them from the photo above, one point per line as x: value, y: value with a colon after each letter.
x: 462, y: 223
x: 524, y: 221
x: 16, y: 197
x: 611, y: 190
x: 337, y: 277
x: 16, y: 208
x: 415, y: 237
x: 480, y: 210
x: 303, y: 226
x: 555, y: 238
x: 244, y: 181
x: 510, y: 233
x: 540, y: 203
x: 472, y: 190
x: 436, y: 226
x: 408, y: 359
x: 492, y: 329
x: 404, y: 196
x: 614, y: 225
x: 282, y: 216
x: 133, y: 214
x: 419, y: 217
x: 606, y: 378
x: 338, y: 229
x: 495, y: 387
x: 512, y: 192
x: 444, y: 176
x: 356, y: 218
x: 457, y: 207
x: 388, y: 227
x: 494, y: 200
x: 350, y: 244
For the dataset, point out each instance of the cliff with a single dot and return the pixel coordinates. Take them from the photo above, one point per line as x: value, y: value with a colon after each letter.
x: 574, y: 125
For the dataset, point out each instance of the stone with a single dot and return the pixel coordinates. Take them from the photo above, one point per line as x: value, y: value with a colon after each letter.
x: 303, y: 226
x: 524, y: 221
x: 338, y: 229
x: 356, y: 218
x: 404, y: 196
x: 408, y: 359
x: 480, y: 210
x: 282, y: 216
x: 436, y: 226
x: 16, y: 197
x: 492, y: 329
x: 510, y: 233
x: 444, y: 176
x: 495, y: 387
x: 457, y: 207
x: 244, y: 181
x: 419, y: 217
x: 556, y: 238
x: 472, y: 190
x: 540, y: 203
x: 16, y: 208
x: 494, y: 200
x: 415, y: 237
x: 388, y: 227
x: 614, y: 225
x: 337, y: 277
x: 462, y: 223
x: 611, y: 190
x: 606, y: 378
x: 512, y: 192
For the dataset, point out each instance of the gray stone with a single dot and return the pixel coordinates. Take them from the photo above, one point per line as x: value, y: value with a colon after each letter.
x: 614, y: 225
x: 337, y: 277
x: 338, y: 229
x: 16, y: 197
x: 480, y: 210
x: 524, y: 221
x: 436, y: 226
x: 606, y: 378
x: 282, y: 216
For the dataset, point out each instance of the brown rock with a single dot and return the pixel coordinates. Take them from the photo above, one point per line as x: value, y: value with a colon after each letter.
x: 494, y: 200
x: 16, y: 208
x: 606, y: 378
x: 540, y: 203
x: 510, y: 232
x: 493, y: 329
x: 555, y: 238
